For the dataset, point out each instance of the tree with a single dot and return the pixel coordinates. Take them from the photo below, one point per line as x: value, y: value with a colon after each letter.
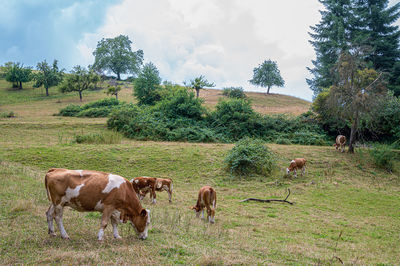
x: 200, y: 82
x: 147, y: 84
x: 47, y: 76
x: 16, y: 73
x: 267, y: 75
x: 114, y: 90
x: 79, y: 80
x: 115, y: 55
x: 357, y: 90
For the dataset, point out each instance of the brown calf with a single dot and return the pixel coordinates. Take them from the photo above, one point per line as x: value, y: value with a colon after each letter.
x: 89, y: 191
x: 162, y: 184
x: 298, y: 163
x: 207, y: 199
x: 340, y: 143
x: 144, y: 184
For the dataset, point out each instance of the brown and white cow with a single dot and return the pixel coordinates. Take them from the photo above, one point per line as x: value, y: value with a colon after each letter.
x: 89, y: 191
x: 207, y: 199
x: 162, y: 184
x: 340, y: 143
x: 144, y: 184
x: 298, y: 163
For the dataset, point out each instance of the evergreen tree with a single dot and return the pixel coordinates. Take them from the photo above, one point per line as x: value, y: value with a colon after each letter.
x: 147, y: 84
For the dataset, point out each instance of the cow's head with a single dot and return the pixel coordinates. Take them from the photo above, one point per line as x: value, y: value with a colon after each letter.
x: 196, y: 210
x: 335, y: 145
x: 141, y: 223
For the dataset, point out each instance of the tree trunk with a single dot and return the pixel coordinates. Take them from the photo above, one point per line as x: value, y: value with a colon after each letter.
x: 80, y: 95
x: 20, y: 85
x: 353, y: 131
x: 268, y: 89
x: 116, y: 96
x: 118, y: 76
x: 197, y: 93
x: 47, y: 91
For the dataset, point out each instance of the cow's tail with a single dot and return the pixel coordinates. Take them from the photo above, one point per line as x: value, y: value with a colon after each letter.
x: 45, y: 183
x: 213, y: 196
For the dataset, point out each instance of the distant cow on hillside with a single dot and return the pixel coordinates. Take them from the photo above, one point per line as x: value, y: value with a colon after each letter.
x: 162, y: 184
x: 298, y: 163
x: 207, y: 198
x: 340, y: 143
x: 144, y: 184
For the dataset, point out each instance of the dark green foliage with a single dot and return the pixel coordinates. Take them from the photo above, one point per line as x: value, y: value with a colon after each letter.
x: 383, y: 157
x: 7, y: 114
x: 47, y: 76
x: 147, y: 85
x: 115, y: 55
x: 234, y: 92
x: 79, y: 80
x: 250, y: 156
x: 267, y: 75
x: 200, y: 82
x: 100, y: 108
x: 16, y: 73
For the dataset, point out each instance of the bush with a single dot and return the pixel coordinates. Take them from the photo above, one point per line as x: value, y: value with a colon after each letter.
x: 109, y: 137
x: 100, y: 108
x: 250, y: 156
x: 70, y: 110
x: 234, y: 92
x: 94, y: 112
x: 7, y: 114
x: 383, y: 157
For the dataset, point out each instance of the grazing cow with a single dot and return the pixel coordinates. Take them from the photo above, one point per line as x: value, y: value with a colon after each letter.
x: 298, y: 163
x: 89, y: 191
x: 162, y: 184
x: 340, y: 143
x: 145, y: 184
x: 207, y: 199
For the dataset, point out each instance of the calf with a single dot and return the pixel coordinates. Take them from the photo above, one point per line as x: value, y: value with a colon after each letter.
x: 89, y: 191
x: 207, y: 198
x: 145, y: 184
x: 340, y: 143
x: 162, y: 184
x: 298, y: 163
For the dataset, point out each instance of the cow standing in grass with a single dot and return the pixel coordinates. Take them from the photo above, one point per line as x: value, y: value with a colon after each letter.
x: 207, y: 198
x: 340, y: 143
x: 144, y: 184
x: 296, y: 164
x: 162, y: 184
x: 88, y: 191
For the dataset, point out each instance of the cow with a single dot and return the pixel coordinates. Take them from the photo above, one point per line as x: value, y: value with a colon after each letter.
x: 340, y: 143
x: 298, y: 163
x: 144, y: 184
x: 207, y: 198
x: 89, y: 191
x: 162, y: 184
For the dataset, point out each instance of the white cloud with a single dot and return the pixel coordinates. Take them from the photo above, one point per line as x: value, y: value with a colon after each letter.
x: 221, y: 39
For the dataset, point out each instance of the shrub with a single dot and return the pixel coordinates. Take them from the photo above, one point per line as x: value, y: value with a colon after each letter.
x: 70, y: 110
x: 94, y: 112
x: 250, y: 156
x: 109, y: 137
x: 107, y: 102
x: 234, y: 92
x: 383, y: 157
x: 7, y: 114
x: 100, y: 108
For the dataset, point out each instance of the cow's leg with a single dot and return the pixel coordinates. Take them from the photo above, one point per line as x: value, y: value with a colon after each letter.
x: 107, y: 212
x: 202, y: 213
x: 343, y: 148
x: 295, y: 172
x: 114, y: 223
x: 153, y: 193
x: 210, y: 218
x: 58, y: 217
x: 50, y: 216
x: 303, y: 170
x: 170, y: 195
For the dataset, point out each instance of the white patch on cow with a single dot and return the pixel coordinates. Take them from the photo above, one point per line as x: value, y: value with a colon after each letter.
x: 132, y: 180
x: 165, y: 187
x: 114, y: 181
x: 154, y: 201
x: 101, y: 234
x: 293, y: 161
x: 172, y: 186
x: 71, y: 193
x: 159, y: 185
x: 99, y: 206
x: 136, y: 181
x: 287, y: 171
x: 143, y: 235
x: 214, y: 203
x: 80, y: 172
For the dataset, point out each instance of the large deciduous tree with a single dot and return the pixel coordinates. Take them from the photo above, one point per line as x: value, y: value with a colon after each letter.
x: 267, y: 75
x: 199, y: 83
x: 16, y: 73
x: 357, y: 90
x: 147, y: 84
x: 47, y: 76
x: 79, y: 80
x: 115, y: 55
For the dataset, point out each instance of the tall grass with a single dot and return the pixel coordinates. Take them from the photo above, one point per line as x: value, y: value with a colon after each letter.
x: 107, y: 137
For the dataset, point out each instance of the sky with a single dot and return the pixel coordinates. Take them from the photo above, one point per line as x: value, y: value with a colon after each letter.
x: 224, y: 40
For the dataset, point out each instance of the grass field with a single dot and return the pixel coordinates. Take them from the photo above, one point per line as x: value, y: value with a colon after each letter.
x: 345, y: 209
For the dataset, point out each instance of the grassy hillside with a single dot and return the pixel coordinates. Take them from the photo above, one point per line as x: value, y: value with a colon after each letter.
x: 345, y: 209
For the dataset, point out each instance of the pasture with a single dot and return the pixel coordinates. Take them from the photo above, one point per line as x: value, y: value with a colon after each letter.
x: 345, y: 209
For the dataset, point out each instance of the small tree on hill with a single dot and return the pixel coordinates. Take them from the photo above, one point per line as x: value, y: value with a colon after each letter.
x: 47, y: 76
x: 114, y: 90
x: 147, y: 84
x: 16, y: 73
x: 267, y: 75
x: 200, y: 82
x: 79, y: 80
x: 115, y: 55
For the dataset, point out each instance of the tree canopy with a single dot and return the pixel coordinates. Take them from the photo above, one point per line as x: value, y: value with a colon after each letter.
x: 200, y: 82
x: 47, y: 76
x: 16, y: 73
x: 79, y: 80
x: 267, y: 75
x: 147, y: 84
x: 115, y: 55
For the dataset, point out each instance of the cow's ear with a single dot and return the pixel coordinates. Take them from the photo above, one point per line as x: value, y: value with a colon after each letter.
x: 143, y: 213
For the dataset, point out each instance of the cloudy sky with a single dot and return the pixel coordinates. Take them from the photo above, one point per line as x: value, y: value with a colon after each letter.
x: 221, y: 39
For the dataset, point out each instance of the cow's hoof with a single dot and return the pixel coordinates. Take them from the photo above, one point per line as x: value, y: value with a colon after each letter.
x: 118, y: 237
x: 66, y: 238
